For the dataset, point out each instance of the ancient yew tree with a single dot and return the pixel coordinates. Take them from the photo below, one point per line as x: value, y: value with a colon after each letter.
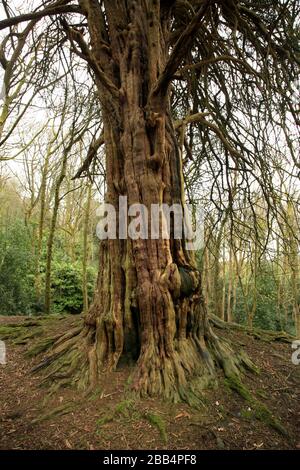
x: 176, y: 81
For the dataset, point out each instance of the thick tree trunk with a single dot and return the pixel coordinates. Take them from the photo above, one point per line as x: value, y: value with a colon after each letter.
x: 148, y: 303
x: 149, y: 299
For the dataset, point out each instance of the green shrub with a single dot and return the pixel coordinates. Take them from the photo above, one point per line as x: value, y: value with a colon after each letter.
x: 66, y: 286
x: 16, y: 269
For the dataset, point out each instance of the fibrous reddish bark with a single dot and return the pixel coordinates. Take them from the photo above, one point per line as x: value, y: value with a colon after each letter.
x: 148, y: 302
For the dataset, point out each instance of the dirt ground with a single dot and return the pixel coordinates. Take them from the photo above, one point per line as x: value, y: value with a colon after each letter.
x: 113, y: 418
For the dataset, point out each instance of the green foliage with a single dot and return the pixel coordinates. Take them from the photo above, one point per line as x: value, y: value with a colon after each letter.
x: 267, y: 315
x: 17, y: 273
x: 16, y: 269
x: 66, y: 286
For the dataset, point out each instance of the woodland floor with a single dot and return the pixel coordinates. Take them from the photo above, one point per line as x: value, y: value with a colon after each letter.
x: 112, y: 418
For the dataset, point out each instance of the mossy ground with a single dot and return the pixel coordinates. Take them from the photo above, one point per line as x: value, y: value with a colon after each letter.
x: 234, y: 415
x: 260, y: 410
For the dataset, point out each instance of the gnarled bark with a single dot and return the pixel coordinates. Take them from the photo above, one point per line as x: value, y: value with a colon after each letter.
x: 148, y: 303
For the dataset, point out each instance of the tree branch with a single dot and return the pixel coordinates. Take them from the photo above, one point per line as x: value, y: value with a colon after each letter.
x: 86, y: 53
x: 94, y: 147
x: 191, y: 118
x: 180, y: 50
x: 55, y: 9
x: 213, y: 60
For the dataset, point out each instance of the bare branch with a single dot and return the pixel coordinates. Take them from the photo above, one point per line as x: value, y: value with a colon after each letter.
x: 180, y: 50
x: 55, y: 9
x: 94, y: 147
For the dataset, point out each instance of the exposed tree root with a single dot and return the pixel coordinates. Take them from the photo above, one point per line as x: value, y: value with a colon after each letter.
x: 257, y: 333
x: 73, y: 362
x: 67, y: 364
x: 40, y: 347
x: 59, y: 411
x: 27, y: 330
x: 261, y: 411
x: 157, y: 421
x: 20, y: 334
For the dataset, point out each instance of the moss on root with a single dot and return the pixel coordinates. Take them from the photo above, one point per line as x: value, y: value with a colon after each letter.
x: 261, y: 411
x: 20, y: 334
x: 10, y: 332
x: 93, y: 395
x: 124, y: 406
x: 188, y: 374
x: 59, y: 411
x: 65, y: 365
x: 121, y: 409
x: 258, y: 333
x: 158, y: 422
x: 39, y: 347
x: 68, y: 364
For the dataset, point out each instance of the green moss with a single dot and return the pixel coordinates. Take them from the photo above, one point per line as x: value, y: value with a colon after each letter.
x: 260, y: 411
x: 248, y: 364
x: 20, y: 334
x: 95, y: 394
x: 121, y: 408
x: 194, y: 394
x: 158, y: 422
x: 247, y: 414
x: 59, y: 411
x: 235, y: 384
x: 39, y: 347
x: 106, y: 419
x: 129, y: 380
x: 10, y: 332
x: 25, y: 336
x: 261, y: 393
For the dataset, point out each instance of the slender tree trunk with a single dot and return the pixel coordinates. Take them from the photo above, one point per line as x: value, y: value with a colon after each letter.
x: 253, y: 291
x: 295, y: 293
x: 50, y: 242
x: 218, y: 281
x: 43, y: 190
x: 234, y: 295
x: 294, y: 261
x: 296, y: 312
x: 85, y: 250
